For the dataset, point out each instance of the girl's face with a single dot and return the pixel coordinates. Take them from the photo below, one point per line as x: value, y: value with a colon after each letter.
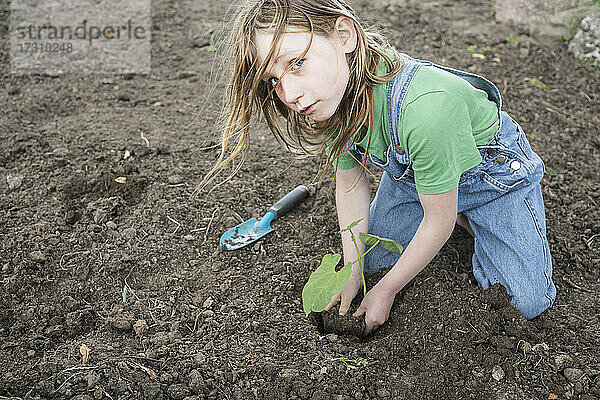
x: 316, y: 83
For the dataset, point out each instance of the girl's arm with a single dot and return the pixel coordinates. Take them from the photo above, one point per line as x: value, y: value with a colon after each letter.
x: 435, y: 229
x: 353, y: 197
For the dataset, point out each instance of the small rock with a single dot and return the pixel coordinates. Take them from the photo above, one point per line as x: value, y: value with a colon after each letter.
x: 189, y: 238
x: 174, y: 335
x: 196, y: 382
x: 540, y: 348
x: 208, y: 313
x: 140, y: 327
x: 111, y: 225
x: 94, y: 228
x: 332, y: 337
x: 70, y: 217
x: 523, y: 52
x: 175, y: 179
x: 37, y: 256
x: 129, y: 233
x: 383, y: 393
x: 498, y: 373
x: 120, y: 324
x: 573, y: 374
x: 288, y: 373
x: 92, y: 380
x: 14, y: 181
x: 562, y: 361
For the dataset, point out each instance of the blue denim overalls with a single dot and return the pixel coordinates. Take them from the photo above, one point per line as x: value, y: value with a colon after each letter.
x: 501, y: 197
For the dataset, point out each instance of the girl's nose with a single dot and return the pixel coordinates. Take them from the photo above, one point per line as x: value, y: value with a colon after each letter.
x: 289, y: 91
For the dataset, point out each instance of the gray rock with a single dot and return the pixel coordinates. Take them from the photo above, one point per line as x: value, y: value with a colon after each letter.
x: 60, y: 152
x: 562, y: 361
x: 129, y: 233
x: 573, y: 374
x: 498, y: 373
x: 288, y: 373
x: 14, y: 181
x: 196, y: 382
x: 586, y: 42
x: 37, y: 256
x: 175, y: 179
x: 111, y: 225
x: 178, y: 391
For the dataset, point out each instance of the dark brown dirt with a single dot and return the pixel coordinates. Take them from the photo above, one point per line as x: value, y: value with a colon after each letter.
x: 133, y: 270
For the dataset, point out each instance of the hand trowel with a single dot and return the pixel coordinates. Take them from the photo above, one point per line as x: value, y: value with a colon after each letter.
x: 253, y: 229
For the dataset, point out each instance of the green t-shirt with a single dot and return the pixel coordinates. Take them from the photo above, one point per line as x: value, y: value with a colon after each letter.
x: 442, y: 121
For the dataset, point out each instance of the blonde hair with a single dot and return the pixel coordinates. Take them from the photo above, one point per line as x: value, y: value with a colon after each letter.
x: 247, y: 92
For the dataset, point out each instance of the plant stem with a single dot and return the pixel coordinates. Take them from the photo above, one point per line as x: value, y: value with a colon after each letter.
x: 362, y: 273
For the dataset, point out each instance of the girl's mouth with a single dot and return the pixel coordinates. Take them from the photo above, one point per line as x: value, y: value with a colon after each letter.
x: 309, y: 109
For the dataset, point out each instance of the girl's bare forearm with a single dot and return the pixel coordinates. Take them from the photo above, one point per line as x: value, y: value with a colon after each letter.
x: 428, y: 240
x: 352, y: 204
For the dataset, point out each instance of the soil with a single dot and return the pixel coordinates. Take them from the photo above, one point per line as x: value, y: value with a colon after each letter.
x: 133, y: 270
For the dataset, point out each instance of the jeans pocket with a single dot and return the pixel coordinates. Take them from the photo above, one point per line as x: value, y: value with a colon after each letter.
x: 505, y: 169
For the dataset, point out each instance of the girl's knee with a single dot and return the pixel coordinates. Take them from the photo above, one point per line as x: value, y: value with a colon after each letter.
x: 532, y: 302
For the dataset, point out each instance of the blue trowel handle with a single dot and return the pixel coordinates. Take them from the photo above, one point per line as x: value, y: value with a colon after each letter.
x: 289, y: 201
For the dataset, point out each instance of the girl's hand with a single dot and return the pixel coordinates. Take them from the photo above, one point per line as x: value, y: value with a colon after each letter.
x: 346, y: 295
x: 376, y: 307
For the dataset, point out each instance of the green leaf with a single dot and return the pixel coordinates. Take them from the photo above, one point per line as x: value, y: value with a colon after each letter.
x: 324, y: 283
x: 352, y: 225
x: 388, y: 244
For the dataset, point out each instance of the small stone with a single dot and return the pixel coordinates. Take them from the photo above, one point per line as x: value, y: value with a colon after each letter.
x: 94, y: 228
x: 120, y: 324
x: 178, y: 391
x: 383, y: 393
x: 562, y: 361
x: 288, y: 373
x: 60, y: 152
x: 208, y: 313
x: 175, y: 179
x: 196, y: 382
x: 523, y: 52
x: 14, y: 181
x: 129, y: 233
x: 174, y: 335
x: 498, y: 373
x: 30, y: 353
x: 189, y: 238
x: 332, y: 337
x: 111, y: 225
x: 140, y: 327
x: 573, y: 374
x: 540, y: 348
x: 37, y: 256
x: 70, y: 217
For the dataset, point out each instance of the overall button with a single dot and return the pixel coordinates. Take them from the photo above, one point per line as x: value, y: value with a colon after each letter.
x: 501, y: 159
x: 515, y: 166
x: 399, y: 149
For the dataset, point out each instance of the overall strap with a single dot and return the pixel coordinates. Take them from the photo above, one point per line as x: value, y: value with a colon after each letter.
x: 398, y: 87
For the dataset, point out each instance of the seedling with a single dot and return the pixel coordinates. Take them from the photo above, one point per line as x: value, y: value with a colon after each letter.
x: 512, y: 40
x: 325, y: 282
x: 539, y: 84
x: 352, y: 363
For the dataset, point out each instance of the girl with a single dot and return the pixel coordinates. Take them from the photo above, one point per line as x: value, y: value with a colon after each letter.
x: 440, y: 136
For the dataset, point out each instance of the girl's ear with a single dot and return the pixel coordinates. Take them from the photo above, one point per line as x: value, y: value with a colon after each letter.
x: 346, y: 31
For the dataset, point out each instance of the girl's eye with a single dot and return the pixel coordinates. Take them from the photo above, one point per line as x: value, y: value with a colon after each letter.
x: 273, y: 81
x: 297, y: 64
